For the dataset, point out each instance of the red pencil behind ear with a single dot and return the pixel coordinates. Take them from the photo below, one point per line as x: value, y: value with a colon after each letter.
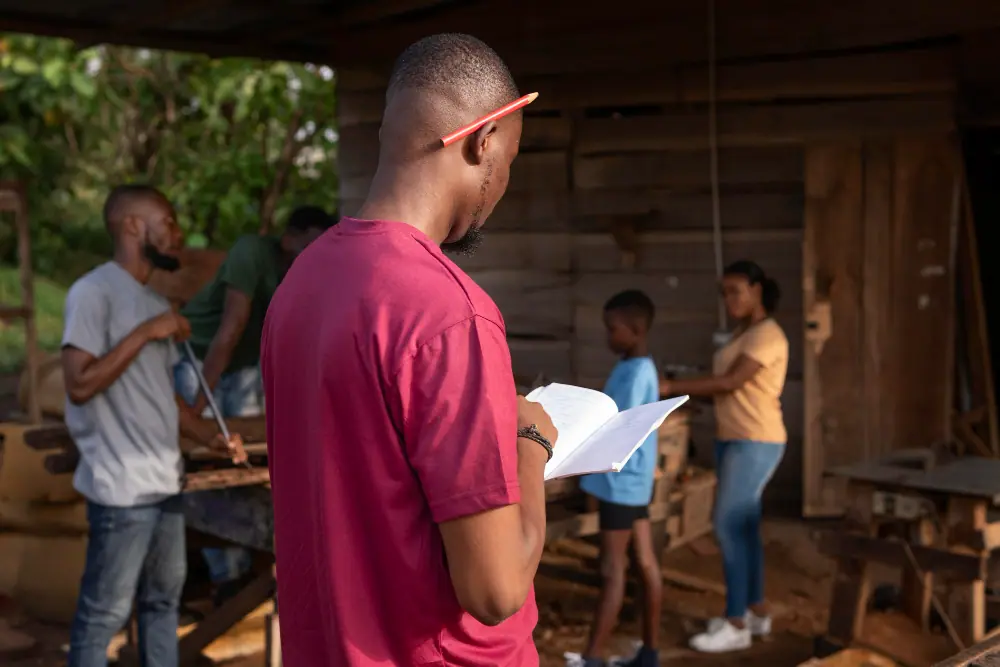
x: 461, y: 133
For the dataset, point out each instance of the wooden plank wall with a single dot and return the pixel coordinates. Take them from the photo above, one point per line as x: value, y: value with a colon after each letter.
x: 879, y: 250
x: 627, y: 155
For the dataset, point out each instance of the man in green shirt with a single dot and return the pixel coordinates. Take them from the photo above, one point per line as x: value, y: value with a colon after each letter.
x: 227, y: 317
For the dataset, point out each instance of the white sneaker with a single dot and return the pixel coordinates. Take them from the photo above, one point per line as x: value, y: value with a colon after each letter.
x: 722, y: 638
x: 759, y: 626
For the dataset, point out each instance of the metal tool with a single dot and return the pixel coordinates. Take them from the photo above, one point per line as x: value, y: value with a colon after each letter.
x: 208, y: 395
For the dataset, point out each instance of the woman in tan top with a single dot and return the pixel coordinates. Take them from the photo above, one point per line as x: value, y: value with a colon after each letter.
x: 746, y: 384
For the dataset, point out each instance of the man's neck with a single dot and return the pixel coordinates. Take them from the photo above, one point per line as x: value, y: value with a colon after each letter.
x: 402, y: 195
x: 136, y: 265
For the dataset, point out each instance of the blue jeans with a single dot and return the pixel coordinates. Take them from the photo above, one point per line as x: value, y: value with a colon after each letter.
x: 744, y: 468
x: 133, y: 553
x: 238, y: 394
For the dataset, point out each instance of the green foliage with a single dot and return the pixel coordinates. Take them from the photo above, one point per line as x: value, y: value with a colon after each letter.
x: 49, y: 300
x: 234, y: 143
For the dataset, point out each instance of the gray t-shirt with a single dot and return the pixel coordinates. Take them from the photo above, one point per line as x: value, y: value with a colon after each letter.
x: 128, y: 435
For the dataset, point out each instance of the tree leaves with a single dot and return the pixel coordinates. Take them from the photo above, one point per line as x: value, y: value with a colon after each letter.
x: 234, y: 143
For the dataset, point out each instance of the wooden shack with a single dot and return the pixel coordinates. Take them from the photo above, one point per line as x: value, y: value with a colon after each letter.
x: 834, y: 128
x: 836, y: 167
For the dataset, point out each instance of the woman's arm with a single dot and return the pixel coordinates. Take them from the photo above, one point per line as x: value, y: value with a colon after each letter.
x: 741, y: 372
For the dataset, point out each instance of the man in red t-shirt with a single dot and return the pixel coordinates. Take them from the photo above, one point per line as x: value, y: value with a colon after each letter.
x: 409, y: 506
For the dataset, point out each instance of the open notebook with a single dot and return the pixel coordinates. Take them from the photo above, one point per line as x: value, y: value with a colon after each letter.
x: 593, y: 435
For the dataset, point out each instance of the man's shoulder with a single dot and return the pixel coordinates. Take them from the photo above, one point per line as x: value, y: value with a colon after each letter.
x: 442, y: 288
x: 100, y: 279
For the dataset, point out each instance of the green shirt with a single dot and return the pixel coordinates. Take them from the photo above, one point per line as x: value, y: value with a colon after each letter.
x: 253, y: 266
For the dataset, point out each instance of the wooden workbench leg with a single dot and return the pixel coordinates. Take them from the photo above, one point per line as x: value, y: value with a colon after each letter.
x: 917, y: 590
x: 272, y: 657
x: 967, y: 600
x: 251, y: 596
x: 852, y: 583
x: 851, y: 590
x: 967, y: 609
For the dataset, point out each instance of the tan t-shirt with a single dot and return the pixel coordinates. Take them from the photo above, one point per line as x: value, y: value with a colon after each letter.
x: 753, y: 412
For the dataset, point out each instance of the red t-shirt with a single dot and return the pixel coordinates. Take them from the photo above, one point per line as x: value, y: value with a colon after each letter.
x: 391, y: 407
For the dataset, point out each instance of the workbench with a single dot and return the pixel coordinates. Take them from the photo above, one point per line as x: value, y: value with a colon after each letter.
x: 934, y: 517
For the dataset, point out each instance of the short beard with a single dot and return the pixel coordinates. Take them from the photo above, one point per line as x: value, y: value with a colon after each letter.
x: 467, y: 245
x: 473, y: 238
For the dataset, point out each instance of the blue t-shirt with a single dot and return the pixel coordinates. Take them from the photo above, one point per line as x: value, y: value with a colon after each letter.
x: 633, y: 382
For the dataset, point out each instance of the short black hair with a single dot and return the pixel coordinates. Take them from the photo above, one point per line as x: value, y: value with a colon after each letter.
x: 634, y: 304
x: 455, y: 61
x: 304, y: 218
x: 122, y: 196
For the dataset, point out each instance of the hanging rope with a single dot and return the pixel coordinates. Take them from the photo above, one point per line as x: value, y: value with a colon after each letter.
x: 713, y: 148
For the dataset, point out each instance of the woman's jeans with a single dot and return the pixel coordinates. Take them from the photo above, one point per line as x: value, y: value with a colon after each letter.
x: 744, y: 468
x: 238, y: 394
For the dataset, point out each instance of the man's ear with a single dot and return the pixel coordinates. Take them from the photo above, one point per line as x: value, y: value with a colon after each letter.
x: 479, y: 141
x: 133, y: 225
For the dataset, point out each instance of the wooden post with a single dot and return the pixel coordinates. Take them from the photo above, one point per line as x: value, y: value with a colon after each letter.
x: 917, y: 590
x: 12, y: 199
x: 272, y: 639
x: 967, y: 599
x: 852, y: 583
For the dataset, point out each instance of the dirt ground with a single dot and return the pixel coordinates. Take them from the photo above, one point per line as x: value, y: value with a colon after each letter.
x: 798, y: 584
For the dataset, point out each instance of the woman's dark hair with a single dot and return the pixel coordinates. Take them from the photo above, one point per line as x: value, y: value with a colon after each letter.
x: 770, y: 293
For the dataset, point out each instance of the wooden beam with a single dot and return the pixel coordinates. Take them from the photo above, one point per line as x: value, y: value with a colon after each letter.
x: 766, y: 125
x: 549, y: 37
x: 142, y: 17
x: 223, y: 479
x: 349, y: 18
x: 211, y: 44
x: 913, y: 71
x: 961, y: 566
x: 56, y: 436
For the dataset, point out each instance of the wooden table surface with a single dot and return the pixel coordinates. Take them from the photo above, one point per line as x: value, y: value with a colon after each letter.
x: 970, y: 476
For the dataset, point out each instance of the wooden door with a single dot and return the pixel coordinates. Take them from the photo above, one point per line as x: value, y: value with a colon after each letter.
x: 878, y: 298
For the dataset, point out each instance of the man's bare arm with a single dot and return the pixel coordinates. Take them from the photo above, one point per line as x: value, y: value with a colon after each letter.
x: 235, y: 315
x: 493, y: 555
x: 86, y: 375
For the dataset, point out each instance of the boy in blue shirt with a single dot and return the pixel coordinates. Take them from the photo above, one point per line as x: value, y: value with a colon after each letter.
x: 624, y: 496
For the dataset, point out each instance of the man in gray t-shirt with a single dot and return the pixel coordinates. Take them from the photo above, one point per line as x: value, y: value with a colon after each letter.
x: 118, y: 354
